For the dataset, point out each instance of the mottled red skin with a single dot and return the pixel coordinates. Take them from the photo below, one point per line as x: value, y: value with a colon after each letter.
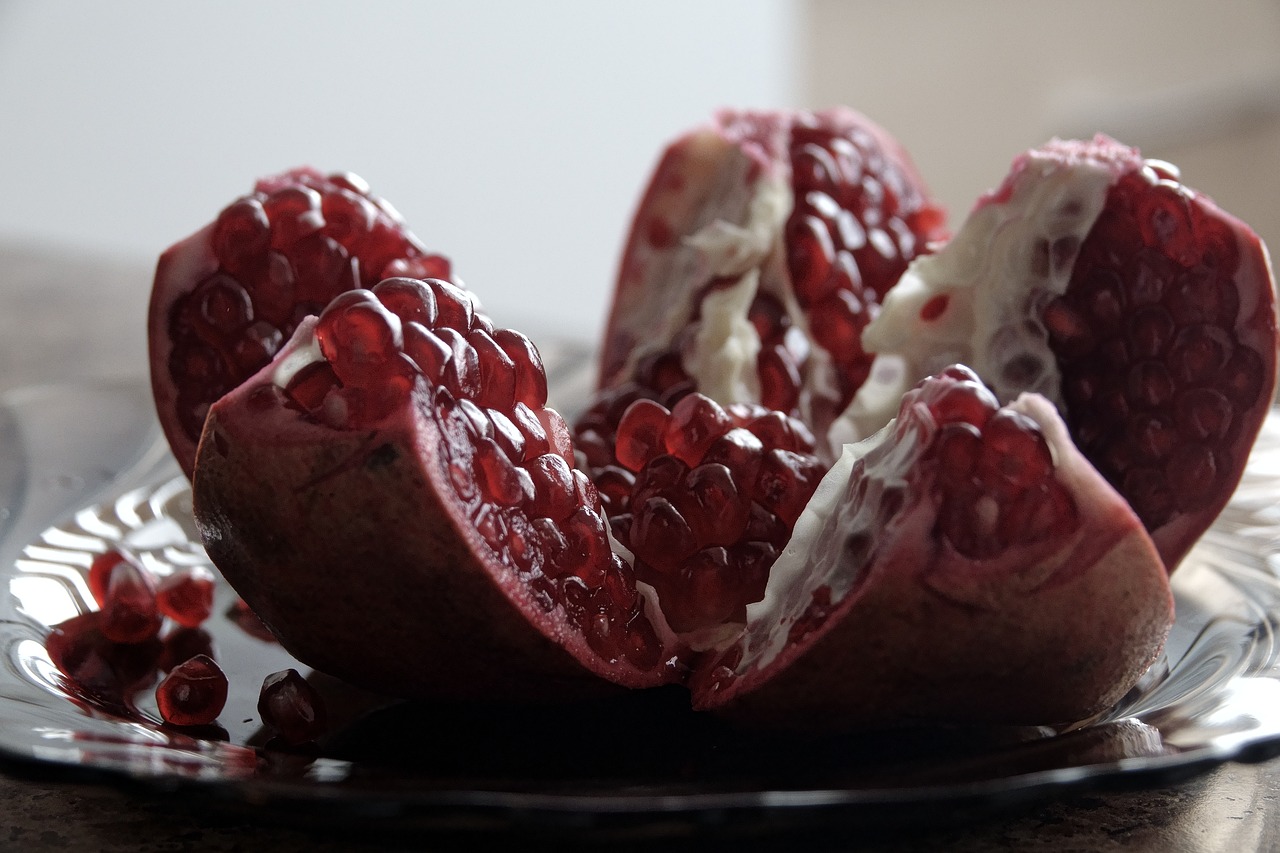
x: 1050, y: 634
x: 348, y: 548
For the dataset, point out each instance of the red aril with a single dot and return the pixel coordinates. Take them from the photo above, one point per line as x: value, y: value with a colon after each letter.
x: 964, y: 564
x: 227, y: 297
x: 288, y: 704
x: 193, y: 693
x: 1142, y: 310
x: 186, y: 596
x: 704, y: 498
x: 761, y: 247
x: 129, y: 611
x: 402, y: 519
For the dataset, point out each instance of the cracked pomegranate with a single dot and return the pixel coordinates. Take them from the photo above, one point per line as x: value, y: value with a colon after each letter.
x: 227, y: 297
x: 786, y: 494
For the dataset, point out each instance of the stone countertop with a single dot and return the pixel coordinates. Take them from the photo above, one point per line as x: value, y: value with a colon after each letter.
x: 67, y: 315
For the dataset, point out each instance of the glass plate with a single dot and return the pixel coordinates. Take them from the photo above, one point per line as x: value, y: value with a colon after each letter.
x: 84, y: 467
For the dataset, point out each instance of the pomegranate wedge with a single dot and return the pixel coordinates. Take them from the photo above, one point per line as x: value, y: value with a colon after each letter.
x: 761, y: 247
x: 1142, y: 310
x: 394, y: 499
x: 966, y: 564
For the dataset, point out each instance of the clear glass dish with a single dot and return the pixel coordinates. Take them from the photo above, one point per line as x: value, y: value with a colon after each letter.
x: 84, y: 467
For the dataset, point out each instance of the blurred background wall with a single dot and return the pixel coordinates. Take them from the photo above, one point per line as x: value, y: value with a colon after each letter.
x: 516, y: 136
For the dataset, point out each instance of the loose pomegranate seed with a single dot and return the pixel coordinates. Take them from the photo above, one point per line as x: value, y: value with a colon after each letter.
x: 129, y: 611
x: 291, y: 706
x: 96, y: 665
x: 193, y: 693
x: 186, y: 596
x: 99, y: 575
x: 182, y: 644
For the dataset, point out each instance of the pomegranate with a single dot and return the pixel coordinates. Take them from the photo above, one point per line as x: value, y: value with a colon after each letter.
x: 1136, y: 305
x: 964, y: 564
x: 394, y: 499
x: 227, y: 297
x: 762, y: 246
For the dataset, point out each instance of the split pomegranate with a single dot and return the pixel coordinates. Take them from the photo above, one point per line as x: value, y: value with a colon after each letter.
x: 227, y: 297
x: 762, y: 246
x: 193, y: 693
x: 965, y: 564
x: 1142, y: 310
x: 394, y: 499
x: 788, y: 493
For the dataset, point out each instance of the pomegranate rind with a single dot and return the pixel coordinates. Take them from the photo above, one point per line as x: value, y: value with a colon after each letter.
x: 351, y: 550
x: 1050, y: 634
x: 985, y: 300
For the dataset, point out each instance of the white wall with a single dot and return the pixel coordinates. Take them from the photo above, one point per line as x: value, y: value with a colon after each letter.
x: 968, y: 85
x: 514, y: 136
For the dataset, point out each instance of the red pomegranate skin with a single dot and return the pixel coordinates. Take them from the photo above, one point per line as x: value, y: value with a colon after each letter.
x: 1046, y: 632
x: 350, y: 546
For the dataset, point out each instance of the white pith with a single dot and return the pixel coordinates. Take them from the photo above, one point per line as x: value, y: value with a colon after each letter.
x: 995, y: 292
x: 815, y: 555
x: 301, y: 350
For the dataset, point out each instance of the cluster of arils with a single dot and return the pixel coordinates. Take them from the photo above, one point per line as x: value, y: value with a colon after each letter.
x: 146, y: 627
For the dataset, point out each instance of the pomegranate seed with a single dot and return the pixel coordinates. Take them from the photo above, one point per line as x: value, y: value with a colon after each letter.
x: 97, y: 665
x: 427, y: 350
x: 411, y: 300
x: 129, y: 612
x: 531, y: 376
x: 186, y: 596
x: 290, y: 705
x: 640, y: 433
x: 497, y: 372
x: 660, y: 535
x: 455, y: 307
x: 358, y: 336
x: 695, y: 422
x: 182, y: 644
x: 193, y: 693
x: 99, y: 575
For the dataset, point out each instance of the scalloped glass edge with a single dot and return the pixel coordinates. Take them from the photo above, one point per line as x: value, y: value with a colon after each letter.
x: 1213, y: 697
